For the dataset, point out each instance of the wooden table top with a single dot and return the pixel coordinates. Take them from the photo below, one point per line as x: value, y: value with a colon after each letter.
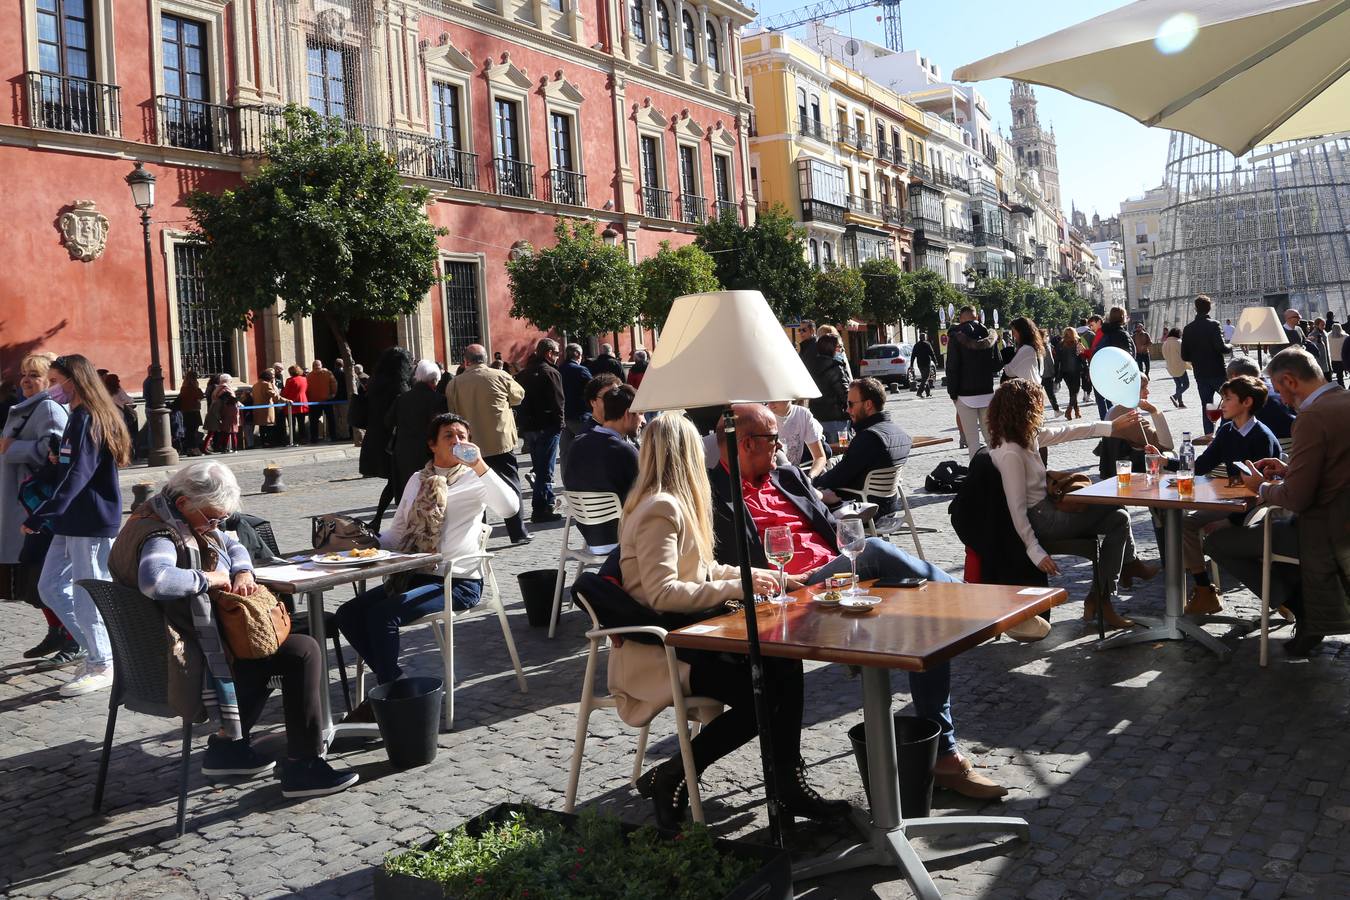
x: 1211, y: 494
x: 306, y: 577
x: 912, y: 629
x: 928, y: 440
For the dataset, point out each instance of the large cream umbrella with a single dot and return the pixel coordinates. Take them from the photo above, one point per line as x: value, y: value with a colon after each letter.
x: 1236, y: 73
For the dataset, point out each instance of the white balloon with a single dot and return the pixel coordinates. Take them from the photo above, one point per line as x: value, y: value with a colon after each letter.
x: 1116, y: 376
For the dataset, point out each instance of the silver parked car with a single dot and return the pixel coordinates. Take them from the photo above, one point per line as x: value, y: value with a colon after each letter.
x: 887, y: 363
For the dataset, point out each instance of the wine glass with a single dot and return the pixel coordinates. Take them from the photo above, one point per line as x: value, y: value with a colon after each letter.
x: 778, y: 549
x: 1214, y: 412
x: 852, y: 539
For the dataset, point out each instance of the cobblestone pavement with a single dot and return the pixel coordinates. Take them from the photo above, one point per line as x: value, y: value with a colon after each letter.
x: 1153, y: 770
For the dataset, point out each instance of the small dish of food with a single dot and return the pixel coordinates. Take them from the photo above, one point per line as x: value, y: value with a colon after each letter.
x: 859, y: 604
x: 351, y: 557
x: 827, y: 596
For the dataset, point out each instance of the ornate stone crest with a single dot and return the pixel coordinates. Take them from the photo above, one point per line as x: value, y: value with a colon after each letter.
x: 331, y: 26
x: 85, y: 230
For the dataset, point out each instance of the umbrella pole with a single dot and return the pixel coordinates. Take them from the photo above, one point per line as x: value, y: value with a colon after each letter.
x: 752, y: 633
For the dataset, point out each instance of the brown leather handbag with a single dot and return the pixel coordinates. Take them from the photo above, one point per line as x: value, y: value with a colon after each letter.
x: 253, y: 626
x: 1058, y: 485
x: 334, y: 532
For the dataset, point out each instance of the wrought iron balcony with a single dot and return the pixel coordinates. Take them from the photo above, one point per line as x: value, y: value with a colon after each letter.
x: 852, y: 137
x: 655, y: 202
x: 883, y: 148
x: 724, y: 207
x: 920, y: 171
x: 513, y: 177
x: 459, y: 167
x: 818, y: 211
x: 864, y: 206
x: 194, y: 124
x: 566, y: 187
x: 693, y: 208
x: 813, y: 128
x: 926, y: 229
x: 961, y: 184
x: 961, y: 235
x: 61, y: 103
x: 1143, y: 270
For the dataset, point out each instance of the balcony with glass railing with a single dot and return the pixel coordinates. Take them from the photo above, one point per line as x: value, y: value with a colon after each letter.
x: 655, y: 202
x: 566, y: 187
x: 62, y: 103
x: 512, y: 177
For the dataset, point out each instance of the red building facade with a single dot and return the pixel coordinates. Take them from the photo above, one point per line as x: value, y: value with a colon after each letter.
x: 512, y: 112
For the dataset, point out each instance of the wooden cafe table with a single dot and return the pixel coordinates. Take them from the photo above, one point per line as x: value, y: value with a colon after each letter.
x: 1211, y: 495
x: 912, y: 630
x: 300, y: 576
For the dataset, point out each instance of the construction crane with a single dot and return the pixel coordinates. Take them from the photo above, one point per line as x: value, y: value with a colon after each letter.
x: 828, y: 9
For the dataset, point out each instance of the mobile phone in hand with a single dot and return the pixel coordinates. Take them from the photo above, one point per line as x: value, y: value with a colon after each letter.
x: 1244, y: 468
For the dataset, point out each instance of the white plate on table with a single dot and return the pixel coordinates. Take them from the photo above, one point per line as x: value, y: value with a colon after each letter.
x: 344, y: 558
x: 859, y: 604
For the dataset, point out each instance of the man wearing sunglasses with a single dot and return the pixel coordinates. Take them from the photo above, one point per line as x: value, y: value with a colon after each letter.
x: 878, y: 443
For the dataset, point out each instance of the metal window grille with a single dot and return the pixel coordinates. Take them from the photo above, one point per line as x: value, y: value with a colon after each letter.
x: 461, y: 306
x: 206, y: 347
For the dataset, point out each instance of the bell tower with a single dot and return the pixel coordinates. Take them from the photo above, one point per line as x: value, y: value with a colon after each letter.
x: 1033, y: 145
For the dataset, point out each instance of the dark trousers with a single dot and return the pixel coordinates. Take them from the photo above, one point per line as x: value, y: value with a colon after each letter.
x: 1209, y: 389
x: 1142, y: 360
x: 370, y: 621
x: 300, y: 663
x: 1048, y: 385
x: 727, y: 678
x: 543, y: 447
x: 504, y: 464
x: 1102, y: 405
x: 298, y: 426
x: 192, y: 431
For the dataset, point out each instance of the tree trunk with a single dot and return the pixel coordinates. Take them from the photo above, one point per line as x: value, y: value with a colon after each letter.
x: 339, y: 331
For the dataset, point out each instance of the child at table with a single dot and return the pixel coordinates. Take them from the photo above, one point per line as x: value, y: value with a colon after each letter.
x: 1240, y: 437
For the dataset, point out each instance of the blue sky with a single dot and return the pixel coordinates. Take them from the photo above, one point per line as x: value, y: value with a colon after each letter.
x: 1104, y: 156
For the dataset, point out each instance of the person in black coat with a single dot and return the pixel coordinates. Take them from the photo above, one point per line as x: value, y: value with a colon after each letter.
x: 391, y: 379
x: 878, y: 443
x: 921, y: 355
x: 831, y: 376
x: 540, y: 419
x: 606, y: 361
x: 972, y: 361
x: 1203, y: 346
x: 606, y: 459
x: 1112, y: 334
x: 408, y: 419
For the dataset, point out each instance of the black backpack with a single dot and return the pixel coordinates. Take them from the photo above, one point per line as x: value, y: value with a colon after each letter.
x: 947, y: 478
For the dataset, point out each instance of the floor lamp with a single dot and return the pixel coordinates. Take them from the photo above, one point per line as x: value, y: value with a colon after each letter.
x: 717, y: 349
x: 1259, y: 326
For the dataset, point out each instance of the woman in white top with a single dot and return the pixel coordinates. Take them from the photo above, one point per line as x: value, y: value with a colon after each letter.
x: 1017, y: 431
x: 1029, y: 360
x: 799, y: 433
x: 441, y: 511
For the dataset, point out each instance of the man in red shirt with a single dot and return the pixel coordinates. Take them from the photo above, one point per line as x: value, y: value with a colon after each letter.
x: 782, y: 496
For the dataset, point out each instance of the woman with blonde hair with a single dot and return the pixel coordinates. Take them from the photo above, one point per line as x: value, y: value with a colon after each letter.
x: 83, y: 513
x: 666, y: 562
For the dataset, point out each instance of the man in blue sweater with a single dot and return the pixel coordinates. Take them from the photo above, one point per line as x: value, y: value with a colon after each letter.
x: 574, y: 378
x: 605, y: 459
x: 1240, y: 437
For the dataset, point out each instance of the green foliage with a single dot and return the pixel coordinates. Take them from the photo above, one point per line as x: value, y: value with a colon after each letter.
x: 670, y: 274
x: 579, y: 286
x: 931, y: 292
x: 533, y: 855
x: 769, y: 256
x: 326, y: 225
x: 887, y: 296
x: 838, y: 296
x: 1050, y: 308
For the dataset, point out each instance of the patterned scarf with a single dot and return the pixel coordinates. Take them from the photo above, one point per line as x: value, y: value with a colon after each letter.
x: 425, y: 520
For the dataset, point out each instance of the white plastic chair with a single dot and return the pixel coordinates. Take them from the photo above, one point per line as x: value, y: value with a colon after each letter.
x: 887, y: 482
x: 690, y: 712
x: 442, y: 625
x: 1262, y: 516
x: 585, y: 508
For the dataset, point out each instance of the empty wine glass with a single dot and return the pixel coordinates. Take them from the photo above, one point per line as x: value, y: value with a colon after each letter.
x: 778, y: 549
x: 852, y: 539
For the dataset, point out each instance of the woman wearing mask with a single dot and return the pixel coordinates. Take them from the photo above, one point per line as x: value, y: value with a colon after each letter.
x: 82, y: 514
x: 33, y: 427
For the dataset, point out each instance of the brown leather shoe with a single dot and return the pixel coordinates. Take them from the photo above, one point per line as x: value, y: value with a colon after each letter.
x: 1204, y: 601
x: 956, y: 773
x: 1137, y: 568
x: 1112, y: 618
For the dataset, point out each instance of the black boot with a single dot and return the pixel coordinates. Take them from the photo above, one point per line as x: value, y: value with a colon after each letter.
x: 55, y: 640
x: 798, y: 798
x: 664, y: 786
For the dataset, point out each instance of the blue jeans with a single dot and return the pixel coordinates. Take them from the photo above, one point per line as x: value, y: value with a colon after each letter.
x: 72, y: 559
x: 370, y: 621
x: 543, y: 447
x: 1208, y: 388
x: 1182, y: 384
x: 931, y: 690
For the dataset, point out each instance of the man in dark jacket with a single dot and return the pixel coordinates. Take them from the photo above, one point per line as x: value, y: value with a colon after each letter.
x: 574, y: 377
x: 606, y: 361
x: 540, y: 418
x: 782, y: 496
x: 1293, y: 331
x: 807, y: 332
x: 922, y: 357
x: 831, y: 377
x: 878, y: 443
x: 972, y: 360
x: 606, y: 459
x: 1202, y: 345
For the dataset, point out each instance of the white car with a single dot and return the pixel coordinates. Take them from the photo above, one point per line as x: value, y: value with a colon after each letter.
x: 887, y: 363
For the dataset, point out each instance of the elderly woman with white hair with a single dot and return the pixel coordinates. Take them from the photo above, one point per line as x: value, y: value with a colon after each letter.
x: 408, y: 419
x: 173, y: 550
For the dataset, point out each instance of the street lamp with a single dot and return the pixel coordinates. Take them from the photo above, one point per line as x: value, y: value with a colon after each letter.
x: 142, y: 184
x: 610, y: 235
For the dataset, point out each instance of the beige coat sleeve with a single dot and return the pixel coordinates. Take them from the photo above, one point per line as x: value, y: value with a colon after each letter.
x: 669, y: 582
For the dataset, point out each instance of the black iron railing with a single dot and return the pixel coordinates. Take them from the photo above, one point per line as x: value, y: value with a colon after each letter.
x: 813, y: 128
x: 459, y: 167
x: 693, y: 208
x: 655, y: 202
x: 512, y: 177
x: 566, y: 187
x: 194, y: 124
x: 920, y: 171
x: 723, y: 207
x: 863, y: 205
x: 62, y: 103
x: 817, y: 211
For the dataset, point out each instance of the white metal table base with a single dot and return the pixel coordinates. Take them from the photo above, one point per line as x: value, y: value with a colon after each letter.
x: 1175, y: 625
x: 887, y: 835
x: 331, y: 730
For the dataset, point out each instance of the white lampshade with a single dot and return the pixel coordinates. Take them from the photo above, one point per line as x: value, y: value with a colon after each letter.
x: 720, y: 348
x: 1259, y: 326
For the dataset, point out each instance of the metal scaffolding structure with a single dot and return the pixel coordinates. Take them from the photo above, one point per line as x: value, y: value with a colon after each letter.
x: 1269, y: 229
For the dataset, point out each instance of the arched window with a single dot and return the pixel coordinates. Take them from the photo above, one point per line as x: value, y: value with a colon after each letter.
x: 801, y: 106
x: 714, y: 58
x: 690, y: 37
x: 815, y: 254
x: 829, y: 254
x: 663, y: 25
x: 638, y: 20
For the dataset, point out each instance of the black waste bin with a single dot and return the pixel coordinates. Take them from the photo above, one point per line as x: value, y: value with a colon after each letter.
x: 408, y: 711
x: 536, y: 587
x: 916, y: 746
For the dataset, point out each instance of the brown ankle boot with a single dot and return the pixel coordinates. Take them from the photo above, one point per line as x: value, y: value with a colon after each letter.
x: 1203, y: 602
x: 1137, y: 568
x: 1112, y: 618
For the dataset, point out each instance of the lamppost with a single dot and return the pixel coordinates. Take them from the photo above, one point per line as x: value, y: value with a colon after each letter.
x: 142, y: 184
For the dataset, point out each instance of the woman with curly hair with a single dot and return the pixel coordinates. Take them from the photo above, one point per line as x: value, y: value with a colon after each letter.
x: 1017, y: 432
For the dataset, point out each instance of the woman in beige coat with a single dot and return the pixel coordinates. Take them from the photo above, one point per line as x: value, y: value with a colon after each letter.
x: 666, y: 562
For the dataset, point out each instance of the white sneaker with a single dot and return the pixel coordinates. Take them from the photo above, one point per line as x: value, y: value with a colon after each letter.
x: 89, y: 680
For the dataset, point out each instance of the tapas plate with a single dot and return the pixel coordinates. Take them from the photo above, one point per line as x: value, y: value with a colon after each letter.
x: 860, y: 604
x: 350, y: 557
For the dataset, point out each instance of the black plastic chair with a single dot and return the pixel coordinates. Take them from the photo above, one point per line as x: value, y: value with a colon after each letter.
x: 140, y: 645
x: 300, y: 624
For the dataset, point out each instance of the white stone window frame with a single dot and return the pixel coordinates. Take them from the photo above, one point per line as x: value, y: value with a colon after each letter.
x: 652, y: 124
x: 689, y: 134
x: 564, y: 98
x: 730, y: 158
x: 479, y: 262
x: 210, y: 13
x: 506, y: 81
x: 446, y: 64
x: 102, y: 46
x: 173, y: 371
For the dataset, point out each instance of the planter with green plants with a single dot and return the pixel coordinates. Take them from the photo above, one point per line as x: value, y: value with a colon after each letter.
x: 518, y: 851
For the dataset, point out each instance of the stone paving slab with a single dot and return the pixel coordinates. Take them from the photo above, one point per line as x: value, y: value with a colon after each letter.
x: 1149, y: 771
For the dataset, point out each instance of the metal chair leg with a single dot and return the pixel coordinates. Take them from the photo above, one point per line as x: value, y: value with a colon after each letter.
x: 114, y: 700
x: 342, y: 670
x: 1100, y: 585
x: 183, y: 776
